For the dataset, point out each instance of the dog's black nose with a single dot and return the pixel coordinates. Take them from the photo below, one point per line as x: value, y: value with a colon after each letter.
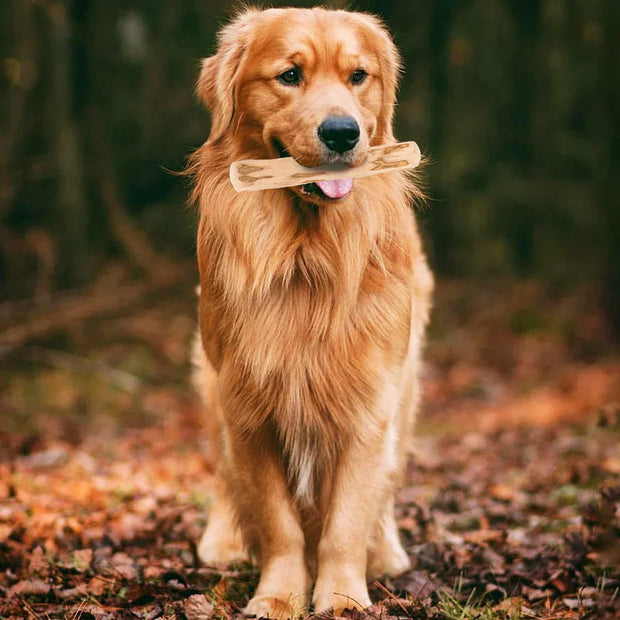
x: 339, y: 133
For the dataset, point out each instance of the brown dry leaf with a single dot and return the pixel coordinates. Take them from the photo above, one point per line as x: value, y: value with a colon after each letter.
x: 81, y: 610
x: 611, y: 464
x: 38, y: 562
x: 30, y: 587
x: 407, y: 523
x: 198, y: 608
x: 70, y: 594
x: 219, y: 590
x: 11, y: 511
x: 149, y: 611
x: 5, y: 531
x: 417, y: 583
x: 502, y: 491
x: 82, y: 559
x: 125, y: 566
x: 484, y: 537
x: 515, y: 604
x: 98, y: 585
x: 536, y: 594
x: 578, y: 603
x: 153, y: 572
x: 50, y: 458
x: 558, y: 580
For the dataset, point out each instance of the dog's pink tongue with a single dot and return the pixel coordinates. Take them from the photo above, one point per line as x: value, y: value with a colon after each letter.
x: 337, y: 188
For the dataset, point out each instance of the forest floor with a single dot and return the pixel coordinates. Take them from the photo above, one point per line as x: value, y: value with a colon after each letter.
x: 510, y: 507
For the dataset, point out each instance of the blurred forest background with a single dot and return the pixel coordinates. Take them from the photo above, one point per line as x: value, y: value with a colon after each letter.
x: 513, y: 499
x: 515, y: 102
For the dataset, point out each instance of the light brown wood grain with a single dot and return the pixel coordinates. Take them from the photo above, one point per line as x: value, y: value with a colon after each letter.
x: 258, y: 174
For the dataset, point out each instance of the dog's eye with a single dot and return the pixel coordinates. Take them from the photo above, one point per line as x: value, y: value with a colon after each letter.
x: 292, y: 77
x: 358, y: 76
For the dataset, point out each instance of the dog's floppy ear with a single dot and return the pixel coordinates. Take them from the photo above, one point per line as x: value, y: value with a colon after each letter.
x: 218, y: 81
x: 205, y: 87
x: 390, y: 67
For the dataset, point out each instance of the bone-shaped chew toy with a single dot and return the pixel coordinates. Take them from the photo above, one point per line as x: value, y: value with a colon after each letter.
x: 255, y: 174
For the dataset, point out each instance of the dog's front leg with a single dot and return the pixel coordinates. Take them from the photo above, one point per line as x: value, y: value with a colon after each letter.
x: 272, y: 526
x: 362, y: 483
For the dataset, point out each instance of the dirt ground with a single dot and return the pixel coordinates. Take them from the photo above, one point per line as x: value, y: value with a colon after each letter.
x: 510, y: 507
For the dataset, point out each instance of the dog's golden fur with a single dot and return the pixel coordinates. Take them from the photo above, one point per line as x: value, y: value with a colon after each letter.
x: 312, y: 314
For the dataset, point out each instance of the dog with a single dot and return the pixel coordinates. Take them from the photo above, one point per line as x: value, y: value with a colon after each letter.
x: 313, y: 306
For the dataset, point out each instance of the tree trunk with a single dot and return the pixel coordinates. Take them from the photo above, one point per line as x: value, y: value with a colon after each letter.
x: 608, y: 165
x: 520, y: 144
x: 443, y: 233
x: 71, y: 233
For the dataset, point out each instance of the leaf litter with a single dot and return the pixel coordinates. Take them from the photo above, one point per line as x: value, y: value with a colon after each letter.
x: 510, y: 507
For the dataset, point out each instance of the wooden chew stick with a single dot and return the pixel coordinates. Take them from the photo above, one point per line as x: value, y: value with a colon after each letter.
x: 255, y: 174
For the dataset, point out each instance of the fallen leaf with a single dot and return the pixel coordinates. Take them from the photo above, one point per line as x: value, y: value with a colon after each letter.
x: 38, y: 562
x: 53, y: 457
x: 149, y: 611
x: 197, y: 607
x: 611, y: 464
x: 30, y: 587
x: 483, y: 537
x: 98, y: 585
x: 71, y: 594
x: 536, y: 594
x: 83, y: 611
x: 124, y: 565
x: 515, y: 604
x: 558, y: 581
x: 82, y: 559
x: 502, y: 492
x: 417, y: 583
x: 577, y: 603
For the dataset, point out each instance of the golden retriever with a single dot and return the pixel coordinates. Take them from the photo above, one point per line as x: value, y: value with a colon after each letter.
x: 313, y: 306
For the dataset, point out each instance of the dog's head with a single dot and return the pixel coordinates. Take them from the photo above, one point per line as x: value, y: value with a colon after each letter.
x: 313, y: 84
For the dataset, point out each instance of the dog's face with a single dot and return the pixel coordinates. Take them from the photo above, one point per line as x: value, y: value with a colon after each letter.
x: 313, y: 84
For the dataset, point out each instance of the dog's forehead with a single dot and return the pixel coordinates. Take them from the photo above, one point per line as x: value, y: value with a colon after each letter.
x: 311, y: 35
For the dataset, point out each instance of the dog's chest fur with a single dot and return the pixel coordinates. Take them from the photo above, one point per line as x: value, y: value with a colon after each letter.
x: 302, y: 330
x: 313, y: 389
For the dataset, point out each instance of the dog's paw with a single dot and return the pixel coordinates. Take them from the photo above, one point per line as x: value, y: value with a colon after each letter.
x: 386, y: 555
x: 221, y: 548
x: 390, y: 559
x: 279, y: 607
x: 340, y: 596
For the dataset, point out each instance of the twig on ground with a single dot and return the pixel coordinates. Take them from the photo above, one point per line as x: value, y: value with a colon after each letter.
x: 28, y: 608
x: 61, y: 359
x: 381, y: 587
x: 87, y: 306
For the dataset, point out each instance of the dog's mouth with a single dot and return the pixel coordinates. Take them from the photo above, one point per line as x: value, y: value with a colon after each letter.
x: 324, y: 190
x: 328, y: 190
x: 282, y: 152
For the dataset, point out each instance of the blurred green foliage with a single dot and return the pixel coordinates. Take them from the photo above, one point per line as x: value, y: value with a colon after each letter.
x: 515, y: 102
